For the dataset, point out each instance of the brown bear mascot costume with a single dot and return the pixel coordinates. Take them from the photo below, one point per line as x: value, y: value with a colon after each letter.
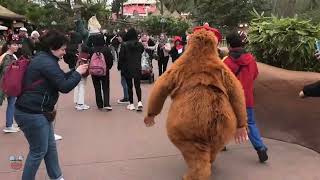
x: 208, y: 104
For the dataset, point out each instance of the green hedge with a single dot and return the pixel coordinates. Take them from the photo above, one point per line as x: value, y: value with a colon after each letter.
x: 287, y: 43
x: 172, y: 26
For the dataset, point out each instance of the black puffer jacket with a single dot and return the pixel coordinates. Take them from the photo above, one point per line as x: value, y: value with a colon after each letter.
x: 42, y: 96
x: 130, y: 59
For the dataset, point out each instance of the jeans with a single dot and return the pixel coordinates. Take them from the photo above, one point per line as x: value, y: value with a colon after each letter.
x: 40, y: 136
x: 124, y: 87
x: 79, y: 92
x: 254, y: 134
x: 137, y: 87
x: 102, y: 97
x: 10, y: 111
x: 162, y: 64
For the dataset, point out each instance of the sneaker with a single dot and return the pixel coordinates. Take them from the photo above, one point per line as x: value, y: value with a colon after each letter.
x: 11, y: 129
x: 15, y: 125
x: 131, y: 107
x: 123, y: 101
x: 57, y: 137
x: 108, y: 108
x: 82, y: 107
x: 263, y: 156
x: 86, y: 106
x: 140, y: 106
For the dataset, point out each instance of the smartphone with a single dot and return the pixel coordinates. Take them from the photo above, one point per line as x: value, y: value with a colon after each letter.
x: 318, y: 45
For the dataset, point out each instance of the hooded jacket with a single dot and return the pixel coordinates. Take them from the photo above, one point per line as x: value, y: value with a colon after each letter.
x: 130, y: 55
x: 244, y: 66
x: 130, y: 59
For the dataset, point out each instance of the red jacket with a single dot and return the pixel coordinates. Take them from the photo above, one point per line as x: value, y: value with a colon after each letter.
x: 247, y: 74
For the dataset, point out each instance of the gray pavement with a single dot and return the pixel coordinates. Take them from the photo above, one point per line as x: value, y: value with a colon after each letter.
x: 117, y: 146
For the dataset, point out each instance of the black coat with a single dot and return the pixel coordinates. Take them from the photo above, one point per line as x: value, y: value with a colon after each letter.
x: 150, y: 44
x: 43, y: 96
x: 97, y: 43
x: 107, y: 55
x: 174, y: 53
x: 130, y: 59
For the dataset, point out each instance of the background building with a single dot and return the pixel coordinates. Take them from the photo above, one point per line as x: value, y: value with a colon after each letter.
x: 139, y: 7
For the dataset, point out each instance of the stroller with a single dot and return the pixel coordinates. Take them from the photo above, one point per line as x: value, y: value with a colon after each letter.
x: 146, y: 68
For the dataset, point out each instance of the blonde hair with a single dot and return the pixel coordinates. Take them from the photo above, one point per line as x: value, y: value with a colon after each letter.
x: 94, y: 25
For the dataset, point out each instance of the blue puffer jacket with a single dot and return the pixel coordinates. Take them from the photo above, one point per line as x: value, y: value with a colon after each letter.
x: 43, y: 81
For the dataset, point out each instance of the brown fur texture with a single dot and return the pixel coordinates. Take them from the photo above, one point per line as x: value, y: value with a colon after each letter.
x: 207, y: 104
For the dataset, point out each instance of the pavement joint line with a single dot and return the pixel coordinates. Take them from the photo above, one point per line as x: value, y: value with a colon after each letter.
x: 103, y: 162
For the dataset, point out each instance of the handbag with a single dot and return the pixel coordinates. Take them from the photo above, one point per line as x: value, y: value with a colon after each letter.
x: 50, y: 116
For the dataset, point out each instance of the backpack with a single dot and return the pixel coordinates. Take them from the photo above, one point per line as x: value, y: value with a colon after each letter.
x: 98, y: 66
x: 12, y: 81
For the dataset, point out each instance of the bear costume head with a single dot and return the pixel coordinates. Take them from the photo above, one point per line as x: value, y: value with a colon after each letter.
x: 205, y: 40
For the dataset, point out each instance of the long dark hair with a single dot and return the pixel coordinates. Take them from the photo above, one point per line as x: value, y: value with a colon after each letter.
x: 131, y: 35
x: 5, y: 46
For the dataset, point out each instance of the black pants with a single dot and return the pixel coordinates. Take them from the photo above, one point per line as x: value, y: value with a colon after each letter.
x: 103, y: 83
x: 137, y: 87
x: 162, y: 64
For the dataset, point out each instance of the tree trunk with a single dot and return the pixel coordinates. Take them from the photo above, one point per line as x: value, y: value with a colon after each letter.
x: 161, y: 7
x: 291, y: 8
x: 122, y: 1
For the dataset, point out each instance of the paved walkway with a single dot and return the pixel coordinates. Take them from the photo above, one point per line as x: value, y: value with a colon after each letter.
x: 117, y: 146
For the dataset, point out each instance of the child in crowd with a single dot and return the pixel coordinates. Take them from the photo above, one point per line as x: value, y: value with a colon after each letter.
x: 243, y: 65
x: 79, y: 91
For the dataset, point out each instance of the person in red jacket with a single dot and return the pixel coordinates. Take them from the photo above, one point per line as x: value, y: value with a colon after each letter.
x: 243, y: 65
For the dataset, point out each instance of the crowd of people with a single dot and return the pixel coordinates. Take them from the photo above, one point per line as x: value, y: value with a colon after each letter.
x: 34, y: 109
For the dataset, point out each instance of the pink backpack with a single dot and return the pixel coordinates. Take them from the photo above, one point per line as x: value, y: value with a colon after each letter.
x: 12, y: 81
x: 98, y: 66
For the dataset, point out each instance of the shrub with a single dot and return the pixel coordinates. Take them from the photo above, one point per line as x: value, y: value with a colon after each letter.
x: 172, y: 26
x: 287, y: 43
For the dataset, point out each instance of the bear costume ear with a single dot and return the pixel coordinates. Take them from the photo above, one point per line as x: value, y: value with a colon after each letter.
x: 208, y: 28
x: 203, y: 39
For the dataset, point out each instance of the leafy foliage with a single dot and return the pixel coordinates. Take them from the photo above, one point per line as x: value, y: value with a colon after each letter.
x: 172, y: 26
x: 289, y: 8
x: 229, y: 12
x: 52, y: 11
x: 180, y: 5
x: 219, y: 13
x: 286, y: 43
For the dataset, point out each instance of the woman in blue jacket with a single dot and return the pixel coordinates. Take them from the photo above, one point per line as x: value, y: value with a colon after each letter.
x: 35, y: 107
